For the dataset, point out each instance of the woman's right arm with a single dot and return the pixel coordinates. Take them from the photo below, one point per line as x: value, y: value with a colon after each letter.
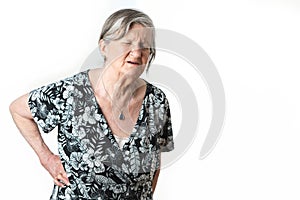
x: 23, y: 119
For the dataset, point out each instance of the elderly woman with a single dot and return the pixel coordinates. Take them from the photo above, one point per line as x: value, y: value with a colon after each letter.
x: 112, y: 125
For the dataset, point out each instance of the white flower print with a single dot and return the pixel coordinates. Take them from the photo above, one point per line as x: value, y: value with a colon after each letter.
x: 35, y: 95
x: 161, y: 112
x: 90, y: 158
x: 90, y: 115
x: 84, y: 144
x: 69, y: 194
x: 67, y: 94
x: 59, y: 104
x: 76, y: 159
x: 80, y: 133
x: 52, y: 119
x: 80, y: 78
x: 78, y: 93
x: 94, y: 160
x: 41, y: 123
x: 118, y: 188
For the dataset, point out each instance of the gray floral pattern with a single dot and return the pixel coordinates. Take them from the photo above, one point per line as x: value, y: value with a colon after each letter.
x: 96, y: 166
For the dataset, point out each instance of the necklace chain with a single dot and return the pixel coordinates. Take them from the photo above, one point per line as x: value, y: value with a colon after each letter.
x: 121, y: 115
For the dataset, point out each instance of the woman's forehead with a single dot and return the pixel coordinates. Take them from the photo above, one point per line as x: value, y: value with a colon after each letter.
x: 139, y: 32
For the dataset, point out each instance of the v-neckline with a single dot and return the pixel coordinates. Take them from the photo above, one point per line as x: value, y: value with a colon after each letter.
x: 109, y: 132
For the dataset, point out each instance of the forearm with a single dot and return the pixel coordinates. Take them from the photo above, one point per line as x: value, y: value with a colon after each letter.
x: 155, y: 178
x: 28, y: 128
x: 154, y: 182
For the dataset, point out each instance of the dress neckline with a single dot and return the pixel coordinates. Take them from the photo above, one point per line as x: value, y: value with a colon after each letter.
x: 103, y: 120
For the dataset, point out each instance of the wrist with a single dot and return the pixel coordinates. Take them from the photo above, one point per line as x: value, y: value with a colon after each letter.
x: 44, y: 155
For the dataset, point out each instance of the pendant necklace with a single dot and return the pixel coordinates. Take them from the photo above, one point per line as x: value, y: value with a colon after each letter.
x: 121, y: 115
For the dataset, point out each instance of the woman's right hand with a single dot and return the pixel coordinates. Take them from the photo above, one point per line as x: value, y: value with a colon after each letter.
x: 23, y: 119
x: 53, y: 165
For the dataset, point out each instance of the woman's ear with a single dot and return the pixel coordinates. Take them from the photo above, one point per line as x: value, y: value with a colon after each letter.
x: 102, y: 47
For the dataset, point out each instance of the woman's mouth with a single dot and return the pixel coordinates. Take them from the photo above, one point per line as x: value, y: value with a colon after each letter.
x: 133, y: 62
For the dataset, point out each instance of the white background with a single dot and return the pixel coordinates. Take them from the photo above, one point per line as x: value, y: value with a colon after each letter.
x: 255, y: 46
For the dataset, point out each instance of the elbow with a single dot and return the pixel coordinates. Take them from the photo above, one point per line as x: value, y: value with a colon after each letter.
x: 20, y: 107
x: 12, y: 107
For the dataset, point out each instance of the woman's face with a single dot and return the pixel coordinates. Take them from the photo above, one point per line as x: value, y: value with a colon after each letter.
x: 129, y: 54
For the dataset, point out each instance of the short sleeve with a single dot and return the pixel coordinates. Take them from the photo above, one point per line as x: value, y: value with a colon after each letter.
x: 166, y: 135
x: 45, y: 104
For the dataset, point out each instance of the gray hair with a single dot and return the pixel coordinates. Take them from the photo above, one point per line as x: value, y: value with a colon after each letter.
x: 118, y: 24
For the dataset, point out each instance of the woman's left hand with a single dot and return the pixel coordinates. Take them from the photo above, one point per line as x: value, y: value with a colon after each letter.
x: 55, y: 168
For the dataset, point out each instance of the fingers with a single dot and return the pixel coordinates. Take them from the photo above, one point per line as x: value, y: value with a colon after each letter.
x: 58, y: 183
x: 60, y: 175
x: 54, y: 166
x: 61, y: 179
x: 63, y: 176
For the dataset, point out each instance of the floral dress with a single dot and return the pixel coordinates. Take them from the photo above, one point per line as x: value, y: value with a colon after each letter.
x: 97, y: 167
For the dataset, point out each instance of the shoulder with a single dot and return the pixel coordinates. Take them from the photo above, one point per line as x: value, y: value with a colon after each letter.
x: 156, y: 94
x: 80, y: 78
x: 57, y: 88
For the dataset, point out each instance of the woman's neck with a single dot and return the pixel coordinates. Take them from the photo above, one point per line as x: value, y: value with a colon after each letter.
x: 117, y: 86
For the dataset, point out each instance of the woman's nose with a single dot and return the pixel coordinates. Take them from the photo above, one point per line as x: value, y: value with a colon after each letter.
x: 136, y: 52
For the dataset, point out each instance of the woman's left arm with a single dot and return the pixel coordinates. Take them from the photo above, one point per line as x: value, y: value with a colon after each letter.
x: 154, y: 182
x: 155, y: 178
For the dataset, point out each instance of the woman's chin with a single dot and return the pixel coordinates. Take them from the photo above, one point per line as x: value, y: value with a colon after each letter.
x: 134, y: 71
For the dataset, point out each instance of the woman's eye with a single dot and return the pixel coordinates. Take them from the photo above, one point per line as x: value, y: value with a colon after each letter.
x: 145, y: 46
